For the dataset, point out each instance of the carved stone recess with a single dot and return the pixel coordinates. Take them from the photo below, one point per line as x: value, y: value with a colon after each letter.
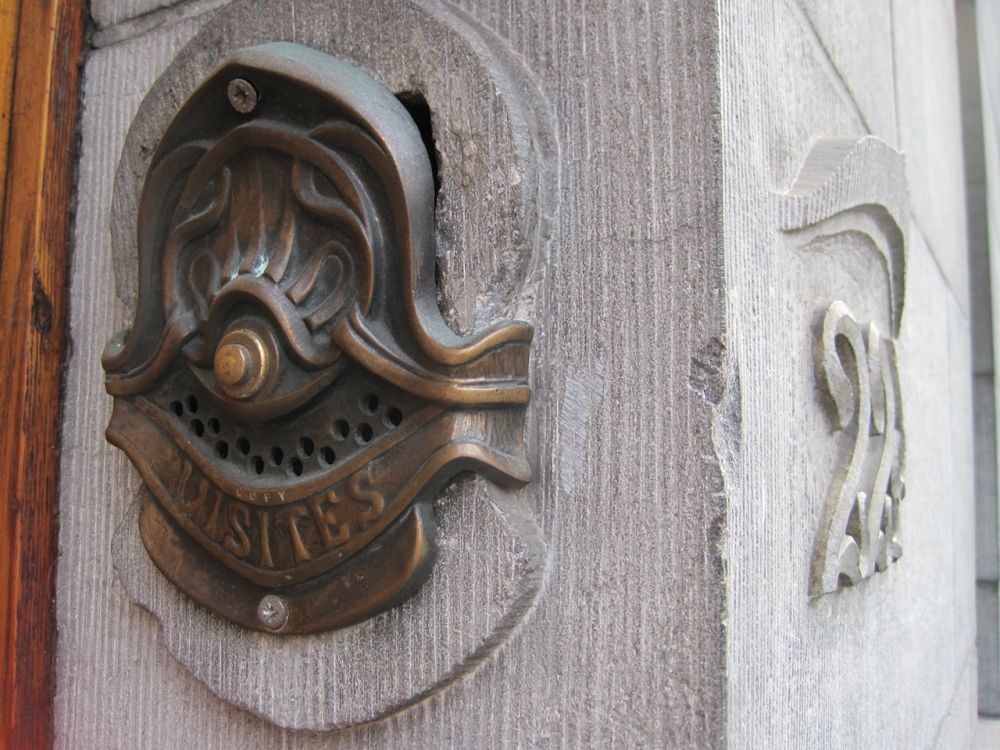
x: 848, y: 205
x: 499, y: 145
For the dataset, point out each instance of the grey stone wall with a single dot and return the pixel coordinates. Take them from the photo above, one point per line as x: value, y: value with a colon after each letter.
x: 889, y: 662
x: 984, y: 239
x: 683, y: 449
x: 625, y: 645
x: 984, y: 385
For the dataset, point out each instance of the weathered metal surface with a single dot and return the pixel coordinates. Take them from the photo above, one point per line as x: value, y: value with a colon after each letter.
x: 288, y: 390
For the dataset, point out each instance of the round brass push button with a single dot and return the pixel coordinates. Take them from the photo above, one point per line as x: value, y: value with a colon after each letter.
x: 233, y: 364
x: 242, y: 363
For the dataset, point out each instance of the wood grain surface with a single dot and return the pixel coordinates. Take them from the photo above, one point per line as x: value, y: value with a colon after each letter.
x: 9, y: 12
x: 40, y: 47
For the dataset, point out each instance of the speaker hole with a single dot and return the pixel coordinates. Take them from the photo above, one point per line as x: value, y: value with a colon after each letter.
x: 307, y: 446
x: 341, y: 429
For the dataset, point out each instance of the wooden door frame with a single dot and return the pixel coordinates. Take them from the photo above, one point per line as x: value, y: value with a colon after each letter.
x: 41, y: 46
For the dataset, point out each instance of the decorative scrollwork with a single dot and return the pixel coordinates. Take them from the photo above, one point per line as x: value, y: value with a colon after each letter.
x: 289, y: 390
x: 856, y: 369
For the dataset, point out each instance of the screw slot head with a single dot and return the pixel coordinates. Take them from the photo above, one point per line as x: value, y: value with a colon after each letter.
x: 272, y: 612
x: 242, y: 95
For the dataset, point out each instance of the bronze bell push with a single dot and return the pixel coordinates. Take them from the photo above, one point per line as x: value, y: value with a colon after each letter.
x: 289, y: 390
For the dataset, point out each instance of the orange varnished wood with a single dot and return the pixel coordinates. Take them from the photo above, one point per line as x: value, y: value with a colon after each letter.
x: 9, y: 11
x: 34, y: 250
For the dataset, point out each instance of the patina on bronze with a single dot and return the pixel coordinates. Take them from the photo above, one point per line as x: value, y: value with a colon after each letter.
x: 288, y: 390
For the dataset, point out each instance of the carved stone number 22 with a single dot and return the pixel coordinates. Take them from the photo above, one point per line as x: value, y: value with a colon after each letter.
x: 856, y: 367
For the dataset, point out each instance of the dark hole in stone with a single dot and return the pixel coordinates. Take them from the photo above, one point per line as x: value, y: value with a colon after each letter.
x: 327, y: 455
x: 365, y: 432
x: 244, y: 445
x: 419, y: 110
